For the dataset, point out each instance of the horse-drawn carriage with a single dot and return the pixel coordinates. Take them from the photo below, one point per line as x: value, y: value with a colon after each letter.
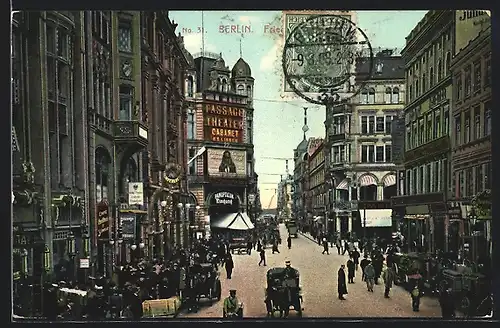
x: 207, y: 282
x: 283, y: 292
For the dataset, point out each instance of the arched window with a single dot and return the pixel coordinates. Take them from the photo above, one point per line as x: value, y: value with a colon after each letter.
x: 440, y: 71
x: 219, y: 84
x: 224, y: 85
x: 364, y: 96
x: 448, y: 62
x: 249, y: 91
x: 431, y: 77
x: 424, y: 82
x: 240, y: 89
x: 190, y: 86
x: 371, y: 96
x: 102, y: 167
x: 395, y: 96
x: 388, y: 93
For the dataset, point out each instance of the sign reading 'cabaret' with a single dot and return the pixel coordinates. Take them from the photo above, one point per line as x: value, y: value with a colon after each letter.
x: 224, y: 123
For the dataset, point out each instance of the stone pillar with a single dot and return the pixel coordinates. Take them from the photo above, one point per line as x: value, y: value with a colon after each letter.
x: 349, y: 223
x: 337, y: 222
x: 380, y: 191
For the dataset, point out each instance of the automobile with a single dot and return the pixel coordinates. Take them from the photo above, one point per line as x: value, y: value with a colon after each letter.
x: 208, y: 282
x: 283, y: 292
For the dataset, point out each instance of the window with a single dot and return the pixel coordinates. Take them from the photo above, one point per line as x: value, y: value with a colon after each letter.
x: 487, y: 72
x: 431, y: 77
x: 367, y: 154
x: 364, y: 124
x: 249, y: 91
x: 125, y: 39
x: 440, y: 71
x: 421, y: 132
x: 448, y: 62
x: 379, y: 154
x: 467, y: 81
x: 364, y: 96
x: 469, y: 186
x: 420, y: 179
x: 477, y: 122
x: 458, y: 90
x: 446, y: 121
x: 249, y: 132
x: 192, y: 165
x: 125, y: 103
x: 408, y: 144
x: 467, y: 127
x: 395, y: 96
x: 388, y: 94
x: 410, y: 93
x: 477, y: 76
x: 380, y: 124
x: 436, y: 177
x: 190, y: 86
x: 478, y: 181
x: 371, y: 151
x: 458, y: 134
x: 424, y: 84
x: 428, y: 180
x: 487, y: 119
x: 430, y: 133
x: 437, y: 124
x: 388, y: 153
x: 371, y: 96
x: 102, y: 166
x: 417, y: 89
x: 371, y: 124
x: 414, y: 135
x: 388, y: 124
x: 487, y: 175
x: 101, y: 25
x: 191, y: 125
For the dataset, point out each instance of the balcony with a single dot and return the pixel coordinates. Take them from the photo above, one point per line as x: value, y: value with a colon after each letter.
x: 131, y: 133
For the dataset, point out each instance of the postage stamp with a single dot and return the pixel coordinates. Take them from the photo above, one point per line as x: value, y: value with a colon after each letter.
x: 320, y: 55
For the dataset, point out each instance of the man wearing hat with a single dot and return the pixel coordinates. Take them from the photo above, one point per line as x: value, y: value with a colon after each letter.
x: 289, y: 272
x: 231, y: 305
x: 325, y: 247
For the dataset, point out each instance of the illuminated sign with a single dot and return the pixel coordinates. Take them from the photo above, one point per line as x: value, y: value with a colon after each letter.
x: 224, y: 123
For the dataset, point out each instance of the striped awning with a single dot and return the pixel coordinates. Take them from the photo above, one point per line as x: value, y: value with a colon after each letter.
x: 344, y: 184
x: 367, y: 180
x: 389, y: 180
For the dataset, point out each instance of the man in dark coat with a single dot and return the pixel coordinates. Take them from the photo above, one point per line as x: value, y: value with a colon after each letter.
x: 346, y: 247
x: 275, y: 247
x: 249, y: 247
x: 338, y: 244
x: 289, y: 242
x: 325, y: 246
x: 341, y: 284
x: 355, y: 257
x: 262, y: 256
x: 350, y: 271
x: 363, y: 264
x: 229, y: 266
x: 378, y: 264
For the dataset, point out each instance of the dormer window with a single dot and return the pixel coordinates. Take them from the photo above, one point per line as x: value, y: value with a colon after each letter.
x: 379, y: 68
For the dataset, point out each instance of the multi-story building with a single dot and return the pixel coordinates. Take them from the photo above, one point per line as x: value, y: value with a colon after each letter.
x: 300, y: 181
x: 427, y: 57
x: 471, y: 135
x: 80, y: 95
x: 284, y: 197
x: 220, y: 124
x: 317, y: 180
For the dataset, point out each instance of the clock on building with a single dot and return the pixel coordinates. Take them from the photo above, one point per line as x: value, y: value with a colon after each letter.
x: 127, y: 69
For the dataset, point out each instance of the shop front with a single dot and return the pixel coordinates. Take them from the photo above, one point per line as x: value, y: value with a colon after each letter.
x: 373, y: 219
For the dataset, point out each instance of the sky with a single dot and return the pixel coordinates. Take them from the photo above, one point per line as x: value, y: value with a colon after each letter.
x: 278, y: 117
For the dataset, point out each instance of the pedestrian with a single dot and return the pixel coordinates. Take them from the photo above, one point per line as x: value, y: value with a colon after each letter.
x: 325, y: 247
x: 350, y: 271
x: 369, y: 276
x: 355, y: 257
x: 338, y: 244
x: 388, y: 280
x: 262, y: 256
x: 341, y: 284
x: 346, y: 247
x: 259, y: 246
x: 229, y: 266
x: 378, y: 264
x: 363, y: 264
x: 289, y: 242
x: 446, y: 302
x: 275, y: 247
x: 249, y: 247
x: 415, y: 298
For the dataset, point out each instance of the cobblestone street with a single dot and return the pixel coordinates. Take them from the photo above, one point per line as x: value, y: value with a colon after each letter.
x: 318, y: 278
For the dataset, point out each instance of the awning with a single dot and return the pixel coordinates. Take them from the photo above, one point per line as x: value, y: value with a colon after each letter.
x: 367, y: 180
x: 389, y: 180
x: 417, y: 210
x: 233, y: 221
x: 377, y: 218
x: 344, y: 185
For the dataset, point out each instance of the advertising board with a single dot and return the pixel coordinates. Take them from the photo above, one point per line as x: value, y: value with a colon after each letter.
x: 223, y: 123
x: 226, y: 162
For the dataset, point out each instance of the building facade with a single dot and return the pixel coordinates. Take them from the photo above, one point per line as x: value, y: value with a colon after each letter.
x: 471, y: 133
x: 220, y: 136
x: 427, y: 57
x: 284, y: 200
x: 317, y: 188
x: 85, y: 92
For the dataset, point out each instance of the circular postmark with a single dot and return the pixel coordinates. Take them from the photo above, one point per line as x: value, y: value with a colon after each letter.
x: 320, y: 57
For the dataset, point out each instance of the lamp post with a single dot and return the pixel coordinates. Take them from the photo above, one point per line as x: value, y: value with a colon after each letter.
x: 71, y: 253
x: 473, y: 219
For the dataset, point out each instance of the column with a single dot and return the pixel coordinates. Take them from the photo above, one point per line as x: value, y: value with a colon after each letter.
x: 337, y: 222
x: 380, y: 191
x: 349, y: 223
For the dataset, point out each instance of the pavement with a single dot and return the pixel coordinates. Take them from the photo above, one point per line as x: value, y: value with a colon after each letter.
x: 318, y: 279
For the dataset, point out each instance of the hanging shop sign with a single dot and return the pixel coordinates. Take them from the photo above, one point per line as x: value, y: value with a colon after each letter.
x: 127, y: 222
x: 224, y: 198
x: 102, y: 218
x: 173, y: 173
x: 135, y: 193
x: 84, y: 263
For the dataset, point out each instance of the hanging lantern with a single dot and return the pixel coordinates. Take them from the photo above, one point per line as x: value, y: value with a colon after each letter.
x: 46, y: 258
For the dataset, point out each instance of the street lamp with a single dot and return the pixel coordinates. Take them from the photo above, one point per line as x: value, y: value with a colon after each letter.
x: 24, y: 261
x: 46, y: 258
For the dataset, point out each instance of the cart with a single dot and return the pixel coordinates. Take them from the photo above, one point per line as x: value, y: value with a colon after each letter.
x: 283, y: 292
